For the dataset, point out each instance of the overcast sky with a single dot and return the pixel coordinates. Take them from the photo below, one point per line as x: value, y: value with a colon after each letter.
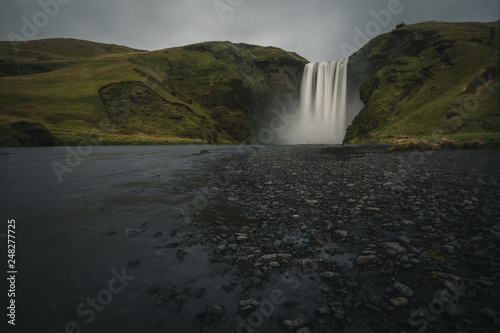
x: 319, y: 30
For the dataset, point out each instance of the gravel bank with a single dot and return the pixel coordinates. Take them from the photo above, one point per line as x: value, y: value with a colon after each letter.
x: 360, y: 239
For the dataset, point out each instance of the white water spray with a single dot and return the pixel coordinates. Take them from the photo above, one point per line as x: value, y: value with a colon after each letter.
x: 322, y: 117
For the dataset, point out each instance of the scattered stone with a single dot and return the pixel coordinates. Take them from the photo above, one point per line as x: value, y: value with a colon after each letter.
x: 255, y: 280
x: 168, y: 295
x: 405, y: 215
x: 329, y: 275
x: 220, y: 268
x: 307, y: 263
x: 132, y: 231
x: 341, y: 233
x: 404, y: 239
x: 134, y: 263
x: 394, y: 247
x: 276, y: 256
x: 181, y: 254
x: 372, y: 308
x: 153, y: 289
x: 397, y: 188
x: 365, y: 260
x: 324, y: 311
x: 196, y: 293
x: 216, y: 311
x: 449, y: 249
x: 248, y: 305
x: 455, y: 310
x: 403, y: 289
x: 245, y: 229
x: 399, y: 301
x: 488, y: 312
x: 293, y: 320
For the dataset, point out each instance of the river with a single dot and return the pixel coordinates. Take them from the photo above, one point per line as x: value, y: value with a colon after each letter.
x: 91, y: 236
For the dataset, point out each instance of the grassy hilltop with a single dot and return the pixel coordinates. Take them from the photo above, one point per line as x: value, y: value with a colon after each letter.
x: 429, y: 81
x: 425, y: 81
x: 71, y: 91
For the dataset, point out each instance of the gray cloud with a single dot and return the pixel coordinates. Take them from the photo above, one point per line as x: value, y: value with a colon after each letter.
x: 315, y: 29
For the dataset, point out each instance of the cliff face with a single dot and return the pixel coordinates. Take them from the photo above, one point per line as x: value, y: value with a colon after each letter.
x: 203, y: 93
x: 238, y: 84
x: 427, y: 80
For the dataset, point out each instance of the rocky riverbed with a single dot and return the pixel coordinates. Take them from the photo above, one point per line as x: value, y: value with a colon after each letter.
x: 356, y: 239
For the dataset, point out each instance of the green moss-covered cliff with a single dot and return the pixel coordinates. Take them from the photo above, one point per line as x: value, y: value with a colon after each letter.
x: 81, y: 91
x: 428, y: 80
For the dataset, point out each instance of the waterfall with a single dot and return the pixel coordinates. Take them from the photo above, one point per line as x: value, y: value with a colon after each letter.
x: 322, y: 116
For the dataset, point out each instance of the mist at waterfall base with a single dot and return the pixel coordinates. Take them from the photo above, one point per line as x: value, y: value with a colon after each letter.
x: 323, y: 115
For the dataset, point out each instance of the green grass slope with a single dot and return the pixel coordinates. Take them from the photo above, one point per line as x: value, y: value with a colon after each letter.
x: 428, y: 81
x: 89, y: 92
x: 40, y: 56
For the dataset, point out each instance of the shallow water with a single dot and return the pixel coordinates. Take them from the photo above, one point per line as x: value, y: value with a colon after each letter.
x: 71, y: 240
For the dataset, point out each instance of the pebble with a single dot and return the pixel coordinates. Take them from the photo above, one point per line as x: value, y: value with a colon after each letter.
x: 488, y: 312
x: 399, y: 301
x: 403, y: 289
x: 132, y: 231
x: 364, y: 260
x: 217, y: 311
x: 220, y: 268
x: 455, y: 310
x: 360, y: 229
x: 134, y: 263
x: 248, y: 305
x: 395, y: 247
x: 293, y: 320
x: 329, y: 275
x: 341, y: 233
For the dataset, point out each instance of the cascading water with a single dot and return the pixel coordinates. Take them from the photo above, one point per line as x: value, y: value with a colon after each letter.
x: 322, y: 117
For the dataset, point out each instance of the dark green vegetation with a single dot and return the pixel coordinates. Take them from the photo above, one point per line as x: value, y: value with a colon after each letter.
x: 427, y: 82
x: 419, y: 83
x: 25, y: 134
x: 203, y: 93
